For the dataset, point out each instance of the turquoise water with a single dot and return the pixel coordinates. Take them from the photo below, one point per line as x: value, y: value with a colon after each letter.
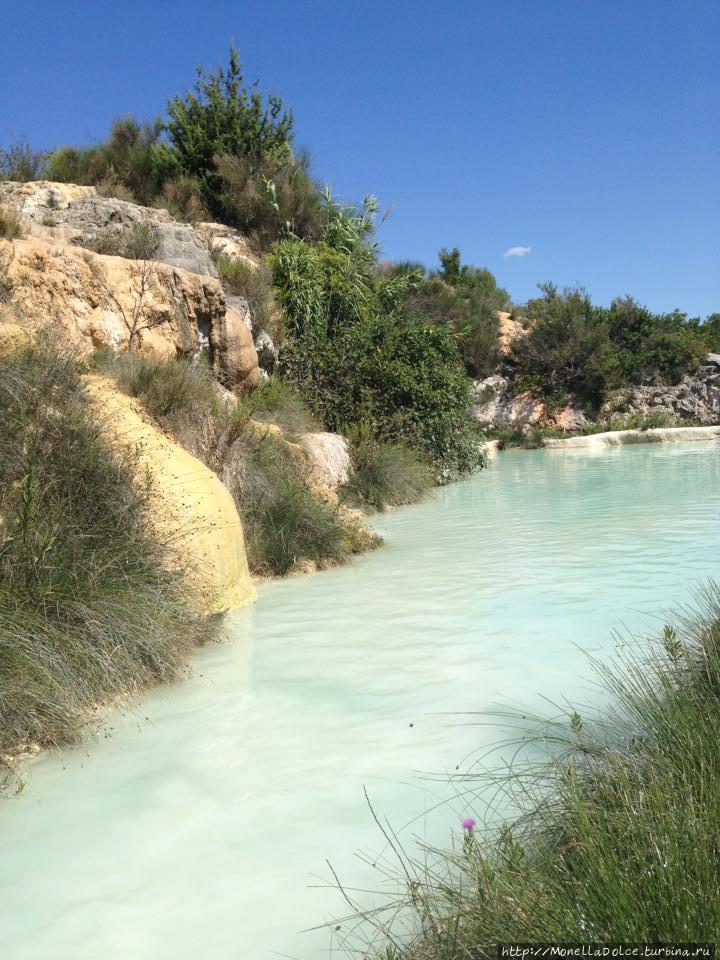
x: 199, y: 827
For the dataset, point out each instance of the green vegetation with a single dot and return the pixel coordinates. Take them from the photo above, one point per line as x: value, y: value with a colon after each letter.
x: 223, y: 151
x: 286, y: 523
x: 86, y: 609
x: 575, y: 351
x: 465, y: 299
x: 254, y: 283
x: 279, y: 402
x: 617, y: 837
x: 358, y: 355
x: 123, y: 166
x: 18, y: 162
x: 385, y: 474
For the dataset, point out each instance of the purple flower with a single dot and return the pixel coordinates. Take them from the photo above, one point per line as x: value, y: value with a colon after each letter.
x: 468, y: 823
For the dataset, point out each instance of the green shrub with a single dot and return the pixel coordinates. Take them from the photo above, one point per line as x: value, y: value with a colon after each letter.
x: 269, y: 199
x: 385, y: 474
x: 357, y: 356
x: 467, y: 300
x: 221, y: 117
x: 650, y: 346
x: 87, y: 611
x: 181, y: 198
x: 254, y: 284
x: 617, y: 836
x: 127, y: 157
x: 292, y: 526
x: 567, y: 352
x: 279, y: 402
x: 20, y: 163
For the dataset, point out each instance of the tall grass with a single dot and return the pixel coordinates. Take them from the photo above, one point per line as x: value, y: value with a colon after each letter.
x: 385, y: 474
x: 618, y: 835
x: 87, y: 609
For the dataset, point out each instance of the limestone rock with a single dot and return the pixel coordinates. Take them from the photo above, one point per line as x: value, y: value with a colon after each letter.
x: 329, y: 458
x: 497, y: 406
x: 62, y: 212
x: 226, y: 242
x: 696, y: 397
x: 235, y: 359
x: 93, y: 301
x: 188, y: 505
x: 509, y: 328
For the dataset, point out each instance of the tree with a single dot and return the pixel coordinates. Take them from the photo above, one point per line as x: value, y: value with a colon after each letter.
x: 222, y: 117
x: 566, y: 354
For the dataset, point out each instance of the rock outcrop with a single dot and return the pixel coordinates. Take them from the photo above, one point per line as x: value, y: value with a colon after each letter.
x: 100, y: 303
x: 497, y: 406
x: 329, y: 457
x: 66, y: 213
x: 616, y: 438
x: 190, y: 508
x: 696, y: 397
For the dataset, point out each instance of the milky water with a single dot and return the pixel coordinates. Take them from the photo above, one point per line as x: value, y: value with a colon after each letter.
x: 200, y: 826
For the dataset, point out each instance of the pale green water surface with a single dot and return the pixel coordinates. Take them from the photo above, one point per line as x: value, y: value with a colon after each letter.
x: 196, y: 828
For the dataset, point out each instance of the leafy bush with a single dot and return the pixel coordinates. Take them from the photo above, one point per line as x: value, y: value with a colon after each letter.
x: 467, y: 300
x: 567, y: 352
x: 385, y: 474
x: 357, y: 356
x: 126, y: 158
x: 648, y: 346
x: 87, y: 610
x: 221, y: 117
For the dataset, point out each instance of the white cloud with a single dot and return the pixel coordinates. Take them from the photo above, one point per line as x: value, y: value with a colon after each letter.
x: 517, y: 252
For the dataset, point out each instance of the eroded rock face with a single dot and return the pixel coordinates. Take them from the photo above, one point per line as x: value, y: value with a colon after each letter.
x: 61, y: 212
x: 329, y: 458
x: 189, y: 507
x: 696, y: 397
x: 96, y: 302
x: 226, y: 242
x: 497, y: 406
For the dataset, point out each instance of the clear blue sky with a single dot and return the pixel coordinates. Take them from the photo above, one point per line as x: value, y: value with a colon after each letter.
x: 586, y: 130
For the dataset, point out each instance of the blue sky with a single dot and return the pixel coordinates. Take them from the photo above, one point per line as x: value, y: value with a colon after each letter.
x: 586, y: 130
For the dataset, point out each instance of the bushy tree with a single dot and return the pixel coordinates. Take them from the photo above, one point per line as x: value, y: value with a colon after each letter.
x: 651, y: 346
x: 222, y: 117
x: 465, y: 299
x: 359, y: 356
x: 566, y: 353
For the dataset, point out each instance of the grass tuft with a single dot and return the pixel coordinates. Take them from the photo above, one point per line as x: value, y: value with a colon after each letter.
x: 385, y: 474
x: 87, y: 609
x: 617, y: 833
